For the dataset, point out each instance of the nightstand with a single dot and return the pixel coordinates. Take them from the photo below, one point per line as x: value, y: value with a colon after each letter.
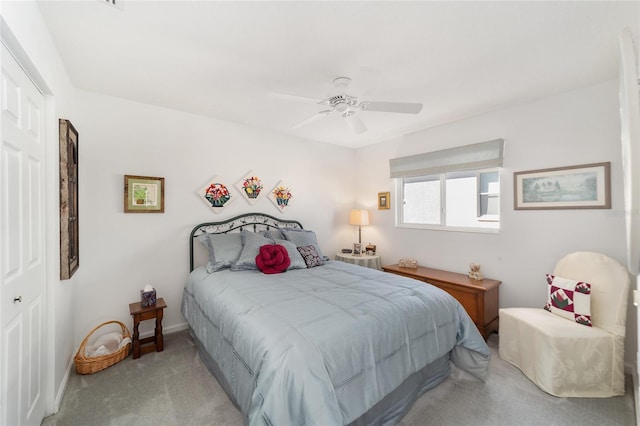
x: 148, y: 344
x: 369, y: 261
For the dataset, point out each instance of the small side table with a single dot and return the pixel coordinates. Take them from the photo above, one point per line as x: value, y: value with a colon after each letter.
x: 151, y: 343
x: 369, y: 261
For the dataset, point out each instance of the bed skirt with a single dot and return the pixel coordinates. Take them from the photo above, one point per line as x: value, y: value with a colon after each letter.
x: 389, y: 411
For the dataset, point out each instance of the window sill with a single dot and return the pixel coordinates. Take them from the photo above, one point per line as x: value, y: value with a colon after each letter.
x: 448, y: 228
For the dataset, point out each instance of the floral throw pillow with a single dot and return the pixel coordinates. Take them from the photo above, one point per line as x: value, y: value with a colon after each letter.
x: 310, y: 256
x: 569, y: 299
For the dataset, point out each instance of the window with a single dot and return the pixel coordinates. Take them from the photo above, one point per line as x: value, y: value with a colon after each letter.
x: 458, y: 188
x: 451, y: 200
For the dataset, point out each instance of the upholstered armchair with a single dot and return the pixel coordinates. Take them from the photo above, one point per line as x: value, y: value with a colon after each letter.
x: 574, y: 347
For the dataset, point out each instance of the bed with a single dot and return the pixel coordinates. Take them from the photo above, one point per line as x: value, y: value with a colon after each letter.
x: 327, y: 344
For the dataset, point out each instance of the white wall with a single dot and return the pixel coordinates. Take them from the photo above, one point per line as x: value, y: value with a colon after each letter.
x: 573, y: 128
x: 121, y: 252
x: 25, y: 34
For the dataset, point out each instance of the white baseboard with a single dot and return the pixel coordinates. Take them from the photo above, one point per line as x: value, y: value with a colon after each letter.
x: 175, y: 328
x: 631, y: 368
x: 167, y: 330
x: 636, y: 396
x: 57, y: 402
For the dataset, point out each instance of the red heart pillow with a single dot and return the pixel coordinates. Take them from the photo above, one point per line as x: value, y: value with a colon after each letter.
x: 273, y: 259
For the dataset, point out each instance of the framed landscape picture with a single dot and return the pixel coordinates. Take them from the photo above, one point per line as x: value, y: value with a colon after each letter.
x: 586, y: 186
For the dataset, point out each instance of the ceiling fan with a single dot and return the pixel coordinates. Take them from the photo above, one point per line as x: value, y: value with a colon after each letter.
x: 348, y: 106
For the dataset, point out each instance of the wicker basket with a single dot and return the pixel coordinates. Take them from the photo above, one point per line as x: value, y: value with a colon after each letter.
x: 89, y: 365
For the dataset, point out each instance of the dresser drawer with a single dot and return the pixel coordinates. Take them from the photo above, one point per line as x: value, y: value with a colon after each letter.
x: 478, y: 297
x: 468, y: 300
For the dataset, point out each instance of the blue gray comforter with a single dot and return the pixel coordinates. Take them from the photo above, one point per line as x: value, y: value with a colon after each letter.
x: 321, y: 346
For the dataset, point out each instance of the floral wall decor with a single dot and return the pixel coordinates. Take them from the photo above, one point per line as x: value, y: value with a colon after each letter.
x: 281, y: 196
x: 216, y: 195
x: 251, y: 187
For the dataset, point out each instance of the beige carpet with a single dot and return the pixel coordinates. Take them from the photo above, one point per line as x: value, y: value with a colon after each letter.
x: 174, y: 388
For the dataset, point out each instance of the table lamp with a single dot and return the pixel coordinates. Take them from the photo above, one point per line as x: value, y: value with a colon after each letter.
x: 359, y: 217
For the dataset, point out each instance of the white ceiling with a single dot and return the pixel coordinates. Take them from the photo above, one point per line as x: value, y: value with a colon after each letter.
x: 226, y: 59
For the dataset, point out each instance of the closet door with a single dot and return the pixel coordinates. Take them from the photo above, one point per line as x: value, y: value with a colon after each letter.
x: 22, y: 247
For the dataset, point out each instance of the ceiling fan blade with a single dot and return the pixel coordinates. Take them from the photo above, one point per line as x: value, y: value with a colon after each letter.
x: 401, y: 107
x: 311, y: 119
x: 295, y: 97
x: 354, y: 123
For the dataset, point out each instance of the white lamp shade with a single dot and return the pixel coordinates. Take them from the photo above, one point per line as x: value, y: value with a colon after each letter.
x: 359, y: 217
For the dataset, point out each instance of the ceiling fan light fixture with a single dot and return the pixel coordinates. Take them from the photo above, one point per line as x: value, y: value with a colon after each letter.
x: 342, y: 107
x: 355, y: 124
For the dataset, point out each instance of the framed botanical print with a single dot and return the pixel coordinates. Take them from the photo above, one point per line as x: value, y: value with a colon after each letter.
x: 251, y: 187
x: 143, y: 194
x: 216, y: 194
x: 281, y: 196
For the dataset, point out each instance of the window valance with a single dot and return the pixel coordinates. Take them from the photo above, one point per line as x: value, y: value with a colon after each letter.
x: 469, y: 157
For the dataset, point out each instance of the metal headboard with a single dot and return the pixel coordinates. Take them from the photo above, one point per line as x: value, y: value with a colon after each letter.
x: 254, y: 222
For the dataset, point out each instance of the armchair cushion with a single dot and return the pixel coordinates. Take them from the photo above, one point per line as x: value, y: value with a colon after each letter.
x: 563, y: 358
x: 569, y: 299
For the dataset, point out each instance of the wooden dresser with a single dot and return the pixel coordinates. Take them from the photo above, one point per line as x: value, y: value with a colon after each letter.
x: 479, y: 297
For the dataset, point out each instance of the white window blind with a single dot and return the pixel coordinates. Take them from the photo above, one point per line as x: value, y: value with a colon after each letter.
x: 469, y: 157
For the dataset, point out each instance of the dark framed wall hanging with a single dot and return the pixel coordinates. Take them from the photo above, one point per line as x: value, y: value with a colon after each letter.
x: 69, y: 238
x: 143, y: 194
x: 383, y: 200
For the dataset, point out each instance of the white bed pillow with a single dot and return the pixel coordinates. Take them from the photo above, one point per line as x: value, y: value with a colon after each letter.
x: 273, y: 233
x: 224, y: 249
x: 302, y: 238
x: 297, y: 262
x: 251, y: 243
